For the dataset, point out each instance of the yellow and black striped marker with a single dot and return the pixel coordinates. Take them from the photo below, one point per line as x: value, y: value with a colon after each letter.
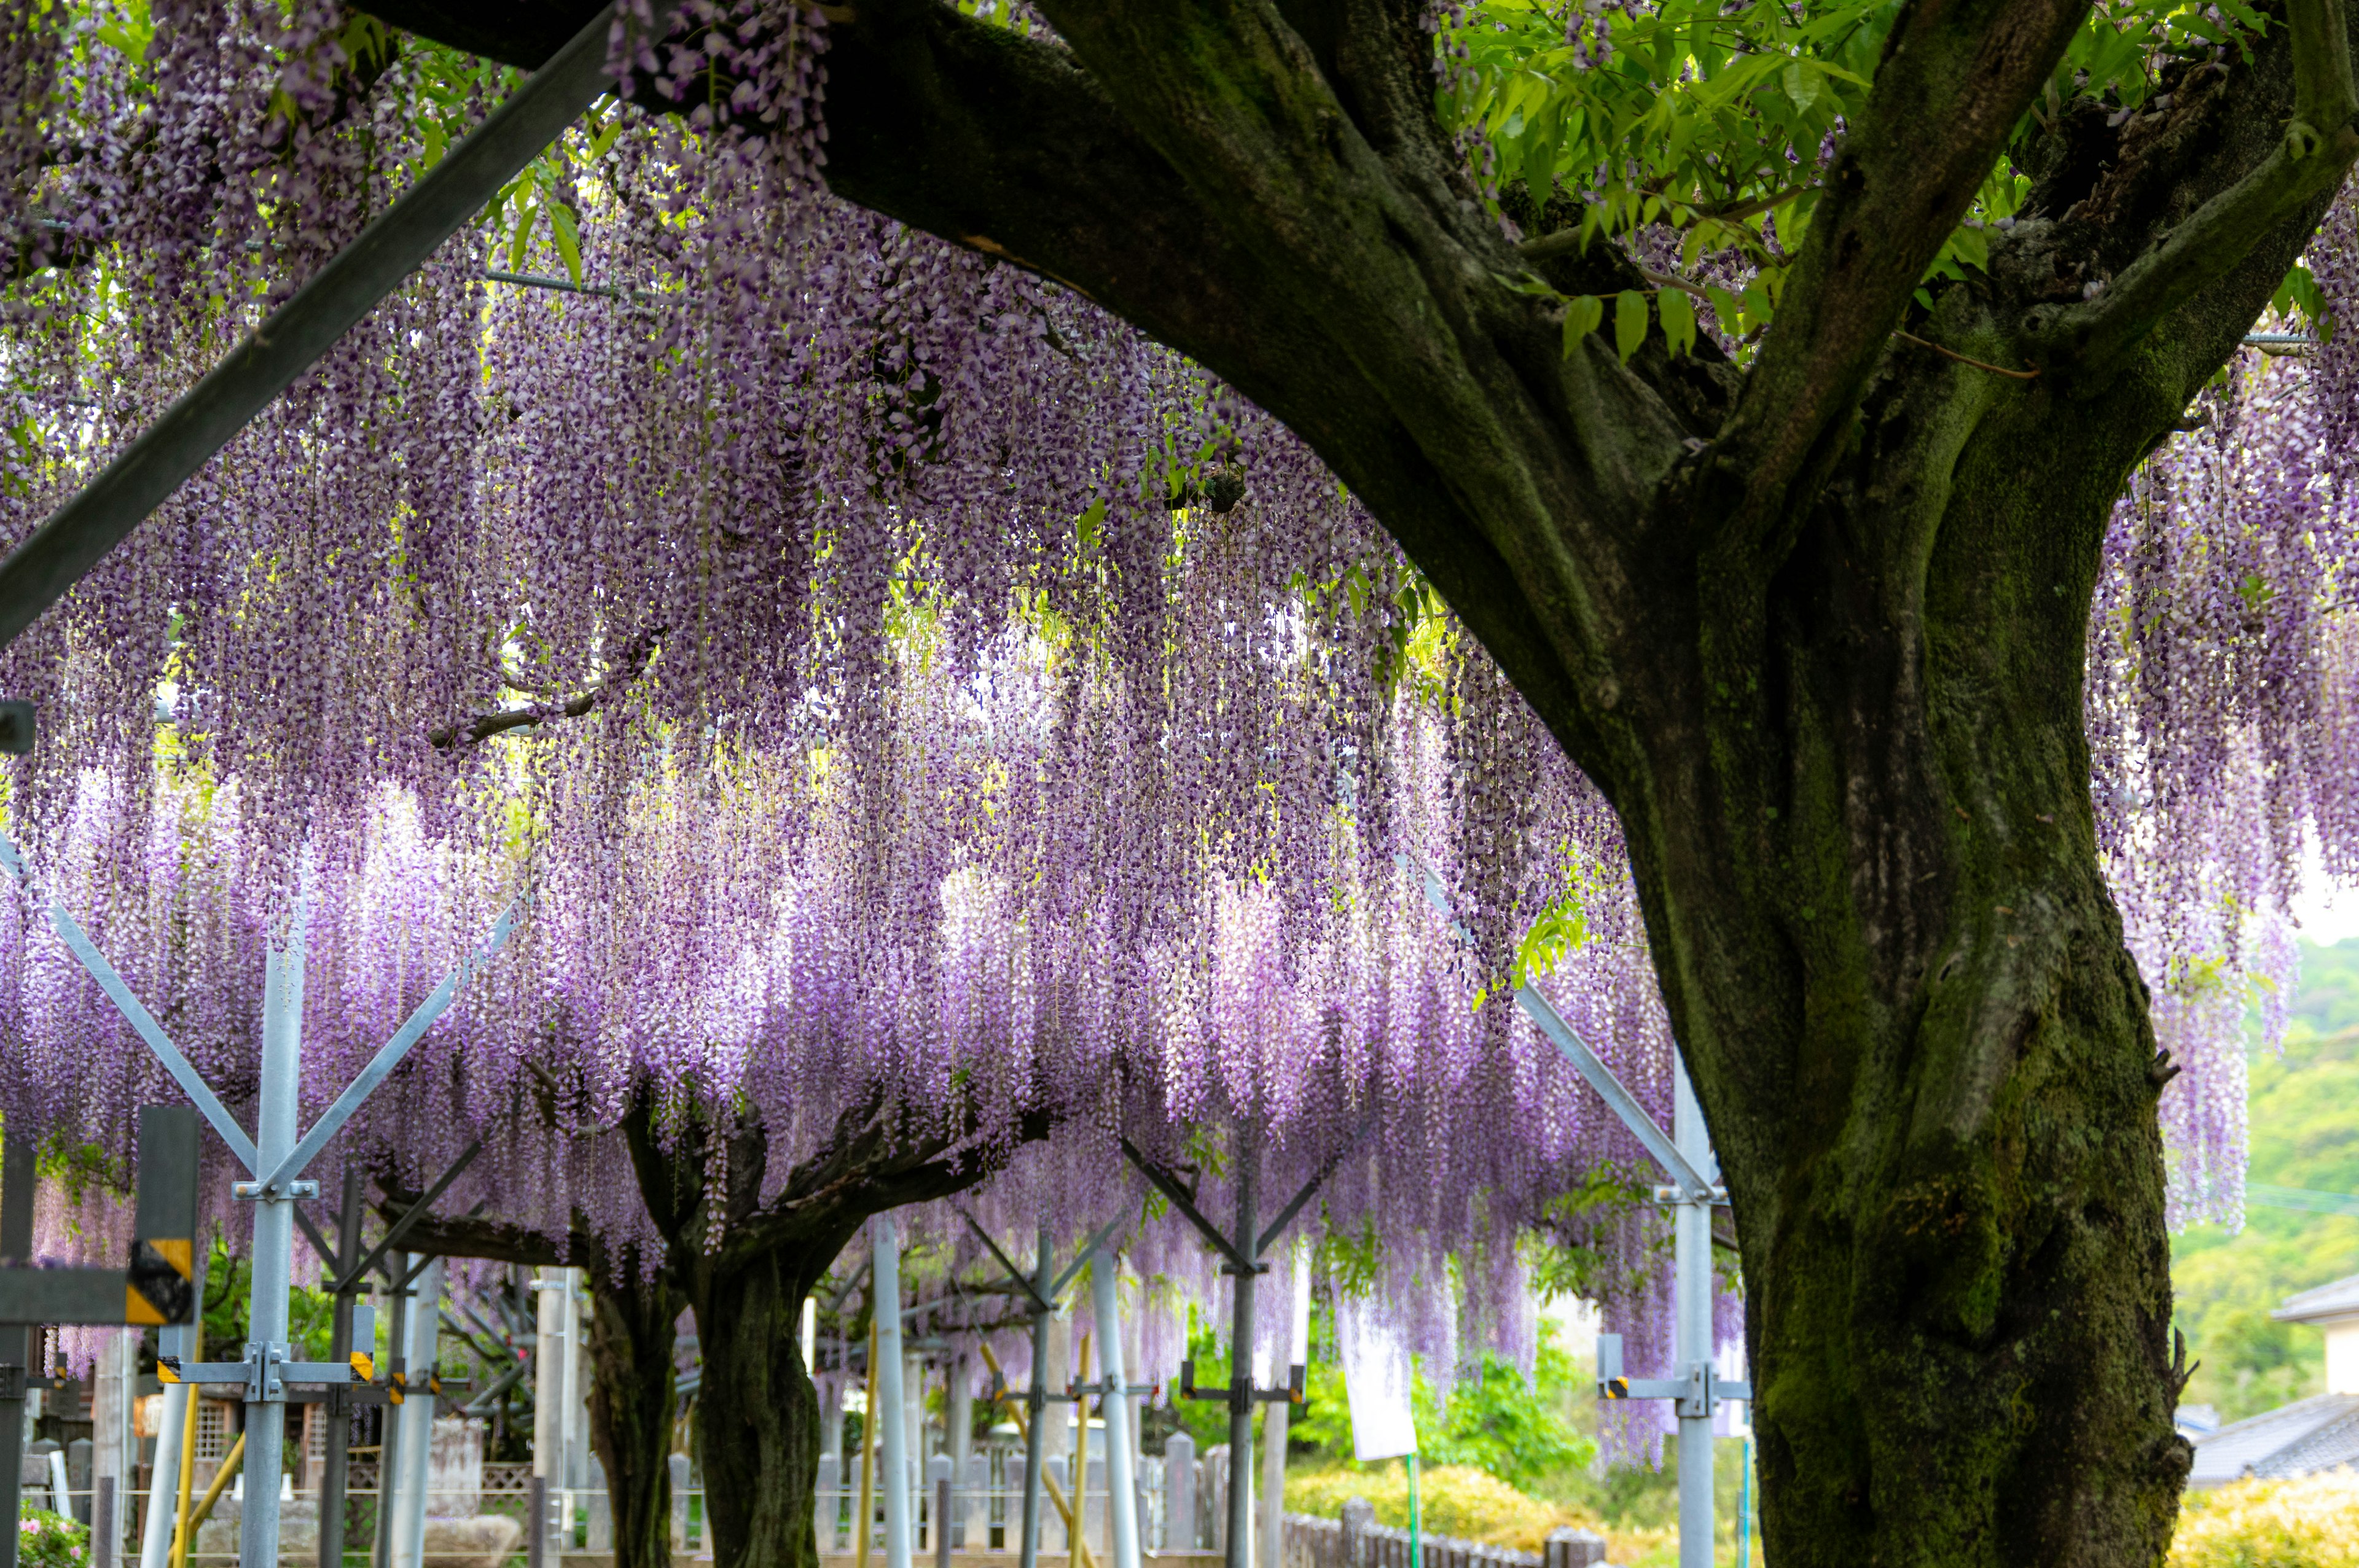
x: 162, y: 1285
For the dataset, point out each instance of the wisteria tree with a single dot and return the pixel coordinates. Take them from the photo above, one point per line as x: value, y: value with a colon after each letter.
x: 1796, y: 559
x: 1814, y: 625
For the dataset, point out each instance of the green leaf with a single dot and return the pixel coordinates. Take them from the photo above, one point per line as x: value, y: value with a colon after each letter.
x: 1801, y: 86
x: 523, y: 236
x: 1629, y: 322
x: 1679, y: 318
x: 1972, y: 247
x: 1583, y: 313
x: 1725, y: 306
x: 1757, y: 303
x: 569, y: 239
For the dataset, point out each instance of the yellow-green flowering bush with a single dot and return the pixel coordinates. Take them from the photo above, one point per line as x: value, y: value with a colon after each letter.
x: 2312, y: 1522
x: 1454, y: 1499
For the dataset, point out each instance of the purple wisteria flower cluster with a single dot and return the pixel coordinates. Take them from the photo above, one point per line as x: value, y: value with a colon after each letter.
x: 890, y: 677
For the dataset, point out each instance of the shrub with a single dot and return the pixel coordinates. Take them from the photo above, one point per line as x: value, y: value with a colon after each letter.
x: 45, y: 1539
x: 1454, y: 1500
x: 2312, y: 1522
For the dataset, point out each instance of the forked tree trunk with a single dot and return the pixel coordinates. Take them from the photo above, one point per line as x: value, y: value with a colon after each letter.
x: 757, y: 1412
x: 631, y: 1397
x: 1870, y: 868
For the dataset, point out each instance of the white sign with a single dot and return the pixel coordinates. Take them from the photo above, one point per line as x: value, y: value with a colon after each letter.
x: 1376, y: 1379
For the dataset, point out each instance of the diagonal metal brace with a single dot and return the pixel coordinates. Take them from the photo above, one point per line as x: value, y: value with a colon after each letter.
x: 410, y: 1216
x: 1039, y: 1303
x: 390, y: 1053
x: 78, y: 534
x: 183, y: 1071
x: 1586, y: 1061
x: 1082, y: 1258
x: 1168, y: 1186
x: 1318, y: 1179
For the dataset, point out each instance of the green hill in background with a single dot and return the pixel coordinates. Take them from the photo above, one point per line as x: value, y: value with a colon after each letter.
x: 2304, y: 1135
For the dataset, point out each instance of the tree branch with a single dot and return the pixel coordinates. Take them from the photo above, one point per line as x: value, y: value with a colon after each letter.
x: 2319, y: 146
x: 628, y: 666
x: 1953, y: 82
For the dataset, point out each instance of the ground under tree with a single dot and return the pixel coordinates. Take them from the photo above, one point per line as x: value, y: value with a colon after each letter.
x: 1815, y: 628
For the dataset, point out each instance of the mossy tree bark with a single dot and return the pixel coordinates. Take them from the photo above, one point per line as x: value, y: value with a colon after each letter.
x: 632, y: 1326
x: 1816, y: 628
x: 757, y: 1412
x: 633, y: 1317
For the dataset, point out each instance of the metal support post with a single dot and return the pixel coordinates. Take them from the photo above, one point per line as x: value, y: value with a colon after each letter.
x: 1693, y: 1339
x: 1122, y: 1449
x: 1274, y: 1419
x: 389, y: 1442
x: 885, y: 1403
x: 1036, y: 1401
x: 185, y: 1343
x: 16, y: 1339
x: 266, y: 1349
x: 413, y: 1459
x: 1241, y: 1338
x: 1687, y: 1157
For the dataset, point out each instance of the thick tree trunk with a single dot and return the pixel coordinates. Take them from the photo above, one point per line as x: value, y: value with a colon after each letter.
x: 1870, y: 868
x: 757, y: 1412
x: 631, y: 1394
x: 758, y: 1415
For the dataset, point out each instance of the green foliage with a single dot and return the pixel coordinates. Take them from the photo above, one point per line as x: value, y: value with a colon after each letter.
x: 1710, y: 117
x: 229, y: 1291
x: 2304, y: 1110
x: 45, y: 1539
x: 1501, y: 1423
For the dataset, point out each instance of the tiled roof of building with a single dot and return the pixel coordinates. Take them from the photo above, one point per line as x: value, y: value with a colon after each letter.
x: 2299, y: 1439
x: 2340, y: 1299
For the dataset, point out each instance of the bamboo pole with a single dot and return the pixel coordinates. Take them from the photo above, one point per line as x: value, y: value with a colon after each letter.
x: 222, y: 1479
x: 1080, y: 1535
x: 867, y: 1453
x: 188, y: 1481
x: 1023, y: 1430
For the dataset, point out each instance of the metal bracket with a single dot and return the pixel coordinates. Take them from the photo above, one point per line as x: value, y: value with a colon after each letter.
x: 12, y: 1382
x: 1239, y: 1393
x: 262, y: 1192
x: 1714, y: 1198
x: 1698, y: 1392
